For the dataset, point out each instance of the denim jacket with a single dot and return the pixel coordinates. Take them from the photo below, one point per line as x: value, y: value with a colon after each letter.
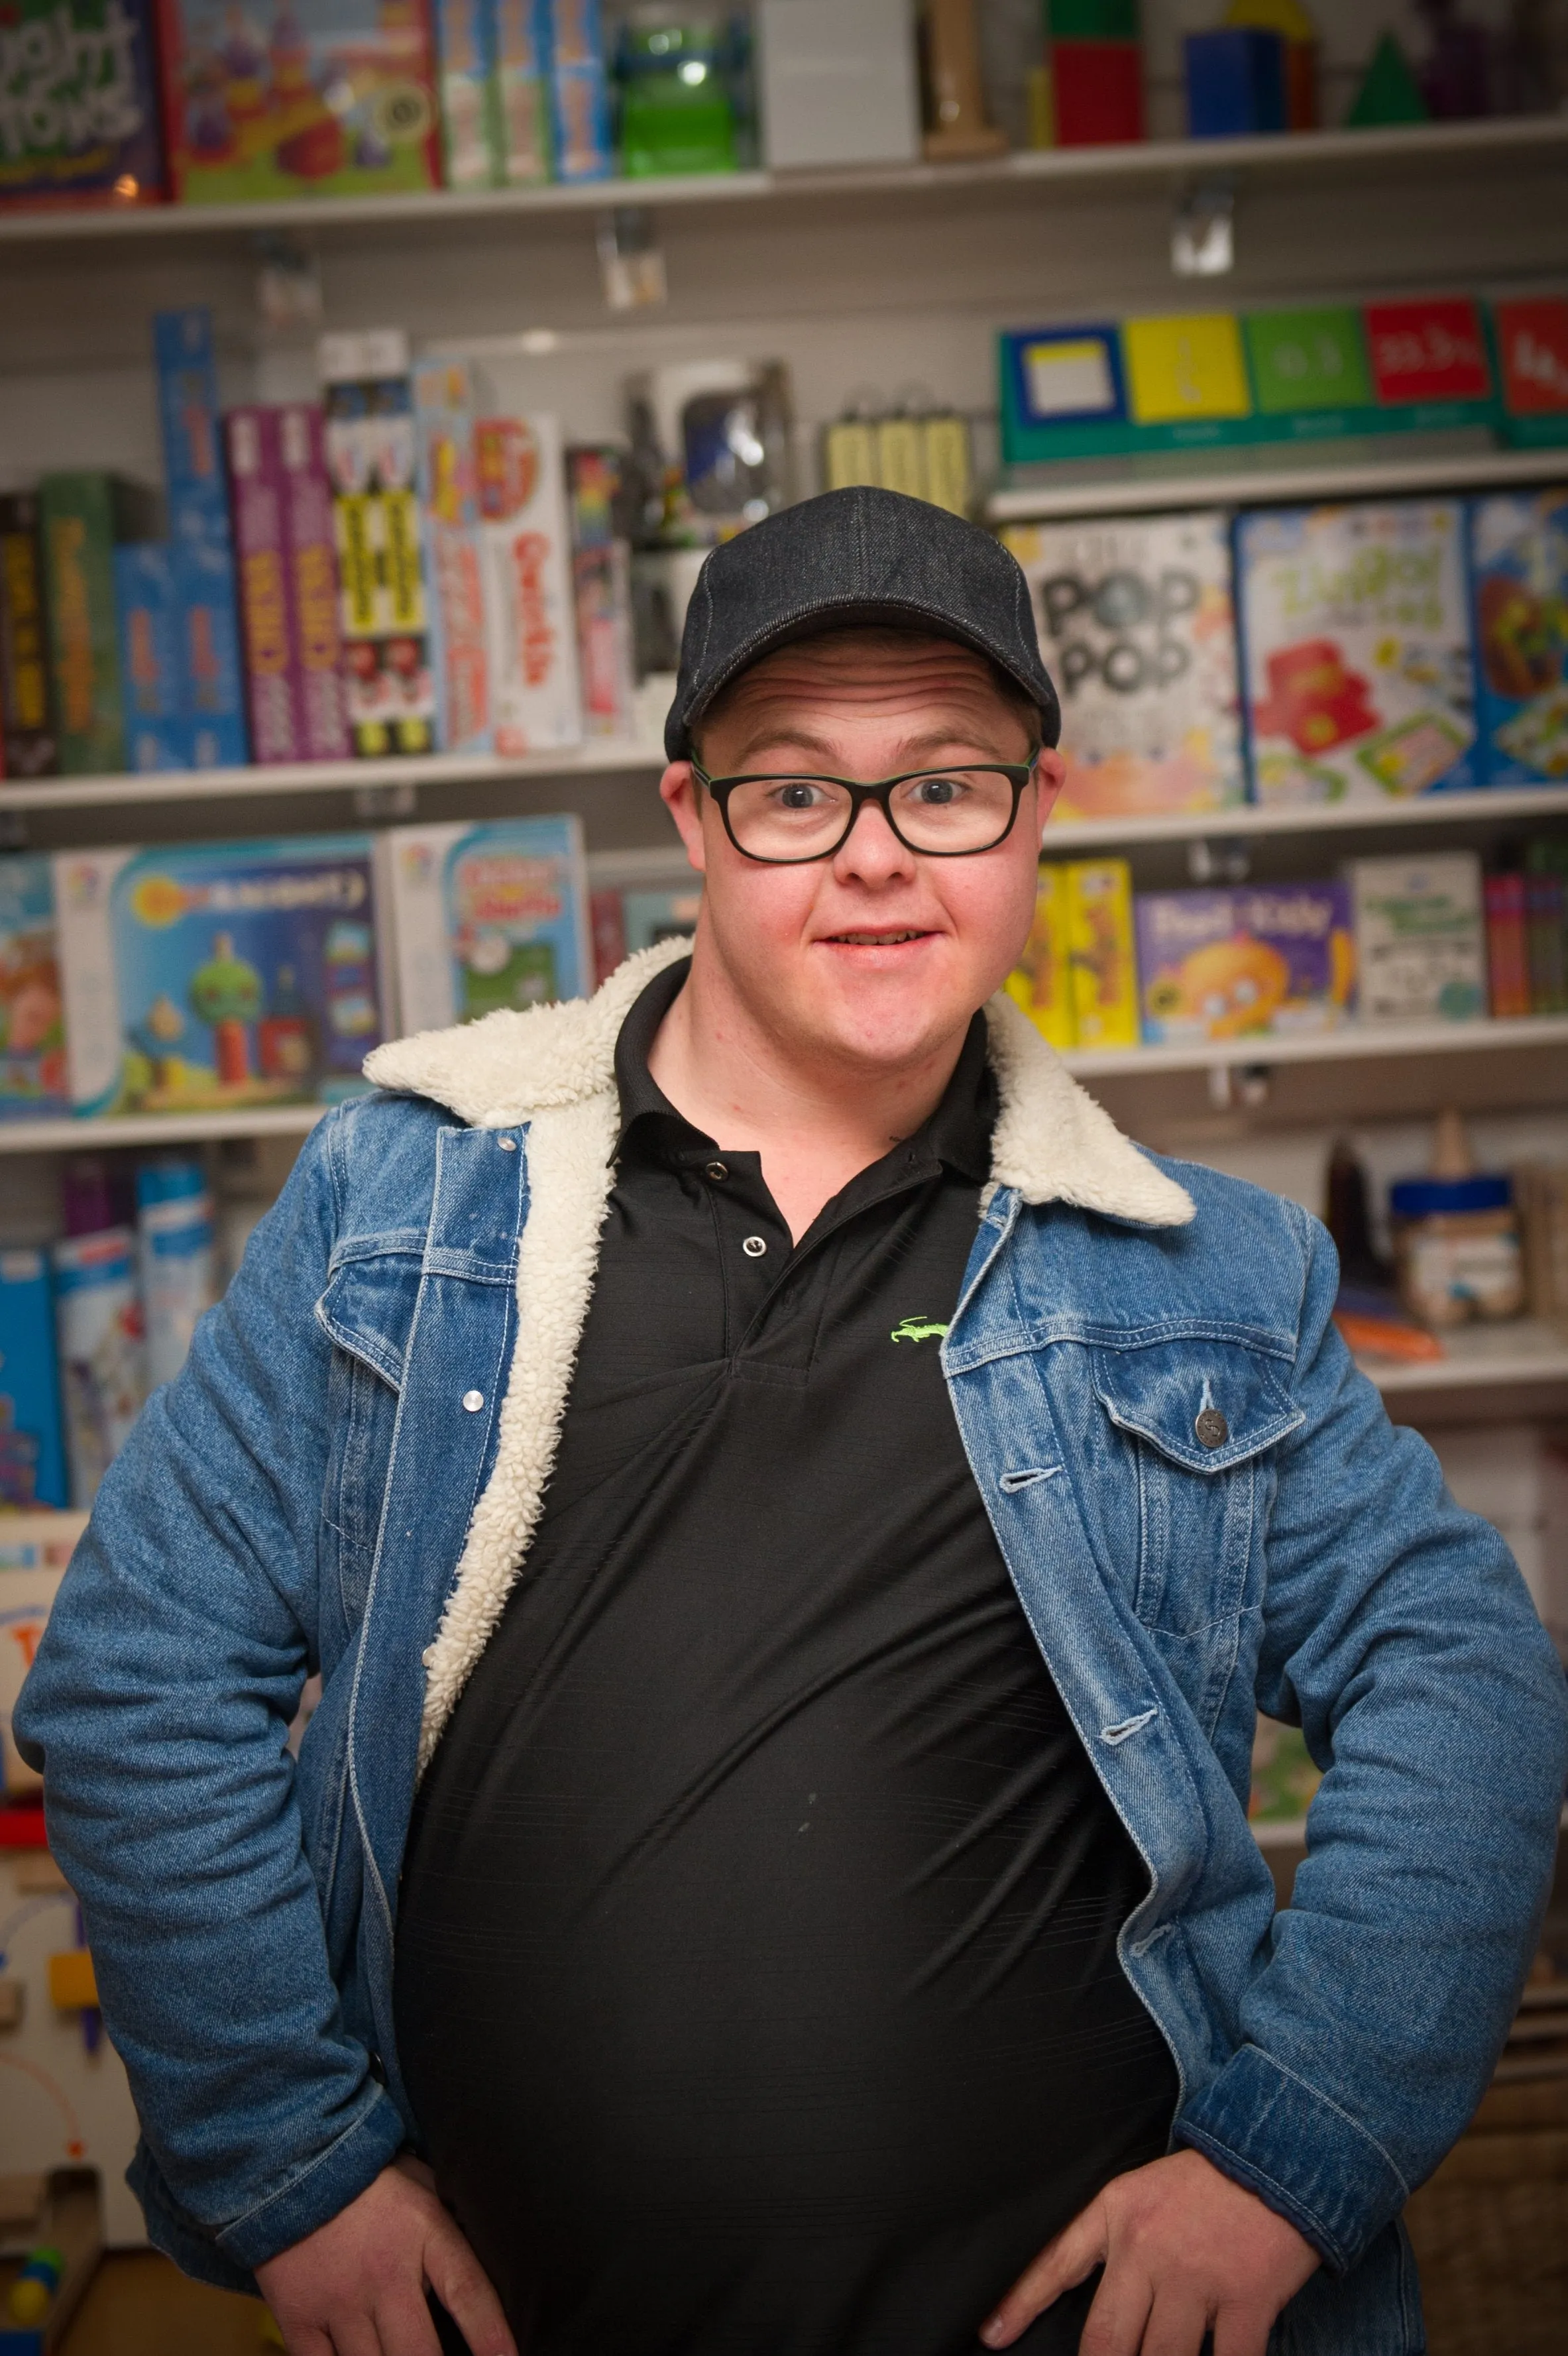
x: 346, y: 1476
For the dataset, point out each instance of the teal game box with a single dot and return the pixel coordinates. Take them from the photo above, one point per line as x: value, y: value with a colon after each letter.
x: 213, y: 976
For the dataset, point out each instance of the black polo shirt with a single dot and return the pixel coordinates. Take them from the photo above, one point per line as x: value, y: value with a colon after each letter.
x: 756, y: 1983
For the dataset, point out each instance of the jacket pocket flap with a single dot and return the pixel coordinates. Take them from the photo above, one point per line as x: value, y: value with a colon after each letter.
x: 366, y: 1310
x: 1206, y: 1405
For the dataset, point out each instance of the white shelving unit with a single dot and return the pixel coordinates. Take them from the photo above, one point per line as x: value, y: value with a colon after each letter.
x: 1350, y: 1043
x: 1264, y: 476
x: 1520, y: 1350
x: 1162, y: 163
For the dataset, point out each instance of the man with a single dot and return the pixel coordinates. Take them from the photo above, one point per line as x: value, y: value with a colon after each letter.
x: 796, y: 1515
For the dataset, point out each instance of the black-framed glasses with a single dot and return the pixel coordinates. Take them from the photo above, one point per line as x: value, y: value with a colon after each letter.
x: 949, y: 813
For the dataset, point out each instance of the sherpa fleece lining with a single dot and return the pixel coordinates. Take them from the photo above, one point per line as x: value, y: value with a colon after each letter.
x: 553, y: 1068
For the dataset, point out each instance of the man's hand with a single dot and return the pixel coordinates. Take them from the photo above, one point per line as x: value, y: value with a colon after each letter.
x: 1186, y: 2251
x: 356, y: 2286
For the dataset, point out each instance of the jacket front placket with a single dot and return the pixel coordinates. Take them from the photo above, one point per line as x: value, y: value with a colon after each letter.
x: 455, y: 1367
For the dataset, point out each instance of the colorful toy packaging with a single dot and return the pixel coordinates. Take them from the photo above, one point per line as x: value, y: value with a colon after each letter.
x: 299, y: 98
x: 529, y: 596
x: 1355, y: 650
x: 32, y: 1453
x: 444, y: 430
x: 522, y: 79
x: 146, y: 612
x: 30, y: 739
x: 34, y: 1080
x: 649, y: 916
x: 1098, y: 916
x: 601, y: 573
x: 1260, y: 960
x: 581, y: 135
x: 1041, y: 982
x: 370, y: 452
x: 1532, y: 354
x: 78, y: 110
x: 211, y: 672
x: 487, y: 917
x: 1519, y: 573
x: 1138, y: 631
x: 1421, y: 947
x: 470, y: 123
x: 203, y: 977
x: 85, y: 516
x: 99, y: 1334
x: 315, y: 643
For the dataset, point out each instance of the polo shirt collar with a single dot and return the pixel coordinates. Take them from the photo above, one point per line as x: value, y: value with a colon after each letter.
x: 956, y: 1133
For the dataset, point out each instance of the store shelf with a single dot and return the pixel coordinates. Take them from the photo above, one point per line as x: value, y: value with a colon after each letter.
x: 156, y: 1129
x: 1500, y: 143
x: 1127, y: 1063
x: 1251, y: 819
x: 134, y: 791
x: 1522, y: 1350
x: 1352, y: 1043
x: 1267, y: 475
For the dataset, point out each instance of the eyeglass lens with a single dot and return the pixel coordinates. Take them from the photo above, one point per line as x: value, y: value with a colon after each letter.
x: 800, y: 818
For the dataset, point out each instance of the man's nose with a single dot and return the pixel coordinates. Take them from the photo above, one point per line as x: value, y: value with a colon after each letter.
x: 871, y: 850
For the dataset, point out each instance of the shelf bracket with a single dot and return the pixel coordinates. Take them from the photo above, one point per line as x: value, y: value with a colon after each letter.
x: 1219, y: 858
x: 1203, y: 230
x: 1247, y: 1085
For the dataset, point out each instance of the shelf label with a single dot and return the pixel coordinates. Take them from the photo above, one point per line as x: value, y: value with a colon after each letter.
x: 1307, y: 359
x: 1428, y: 350
x: 1186, y: 367
x: 1532, y: 343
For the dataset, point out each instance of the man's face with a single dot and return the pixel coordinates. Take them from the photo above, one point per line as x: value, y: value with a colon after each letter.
x: 876, y: 956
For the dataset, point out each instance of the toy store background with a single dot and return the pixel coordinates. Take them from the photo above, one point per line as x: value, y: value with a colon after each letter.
x: 375, y: 375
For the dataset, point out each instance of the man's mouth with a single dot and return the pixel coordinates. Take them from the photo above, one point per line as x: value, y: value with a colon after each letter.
x: 859, y: 940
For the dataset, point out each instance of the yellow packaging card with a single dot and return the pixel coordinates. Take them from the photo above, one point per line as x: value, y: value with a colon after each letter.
x: 901, y: 456
x: 1100, y: 946
x: 849, y: 454
x: 1041, y: 982
x: 947, y: 464
x: 1190, y: 366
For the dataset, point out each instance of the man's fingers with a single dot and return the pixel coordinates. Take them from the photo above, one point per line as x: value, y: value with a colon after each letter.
x: 1176, y: 2327
x: 1241, y: 2331
x: 1117, y: 2320
x: 303, y: 2340
x: 462, y: 2286
x: 352, y: 2333
x: 404, y: 2327
x: 1077, y: 2250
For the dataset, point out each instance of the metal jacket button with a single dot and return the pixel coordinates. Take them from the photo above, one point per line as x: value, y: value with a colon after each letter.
x: 754, y: 1247
x: 718, y: 1171
x: 1211, y: 1428
x: 473, y: 1401
x: 508, y: 1144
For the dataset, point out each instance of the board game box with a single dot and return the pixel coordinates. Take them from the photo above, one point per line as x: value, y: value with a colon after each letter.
x: 1263, y: 959
x: 1421, y: 943
x: 486, y: 916
x: 298, y: 98
x: 1138, y: 631
x: 449, y: 526
x: 1518, y: 574
x: 33, y: 1076
x: 79, y: 106
x: 369, y: 449
x: 210, y: 976
x: 529, y: 596
x: 1357, y: 679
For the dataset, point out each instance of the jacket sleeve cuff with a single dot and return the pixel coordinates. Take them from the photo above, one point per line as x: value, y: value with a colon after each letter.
x: 320, y: 2189
x: 1300, y: 2153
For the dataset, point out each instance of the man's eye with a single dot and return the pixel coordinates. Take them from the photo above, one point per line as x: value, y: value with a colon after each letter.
x: 935, y: 792
x: 798, y: 797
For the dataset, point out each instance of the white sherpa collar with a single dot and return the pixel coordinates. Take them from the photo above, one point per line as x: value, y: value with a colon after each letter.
x: 1052, y: 1141
x: 554, y: 1068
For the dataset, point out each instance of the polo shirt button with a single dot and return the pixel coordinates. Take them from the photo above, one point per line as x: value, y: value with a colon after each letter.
x: 718, y: 1171
x: 1211, y: 1428
x: 473, y: 1401
x: 754, y: 1247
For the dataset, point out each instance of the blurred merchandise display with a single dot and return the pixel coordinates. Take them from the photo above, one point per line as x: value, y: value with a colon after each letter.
x: 486, y: 916
x: 1097, y: 73
x: 1137, y: 627
x: 1295, y: 27
x: 836, y: 84
x: 957, y: 126
x: 710, y: 446
x: 920, y: 449
x: 370, y: 452
x: 78, y: 103
x: 1458, y: 1251
x: 299, y: 98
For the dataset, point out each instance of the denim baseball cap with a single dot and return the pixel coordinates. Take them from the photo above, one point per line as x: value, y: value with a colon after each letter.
x: 855, y: 559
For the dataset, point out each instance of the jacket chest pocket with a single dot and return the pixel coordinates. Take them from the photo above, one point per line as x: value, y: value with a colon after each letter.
x: 1201, y: 1418
x: 366, y: 1311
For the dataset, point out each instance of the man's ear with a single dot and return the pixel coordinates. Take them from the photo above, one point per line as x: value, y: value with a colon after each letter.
x: 683, y: 798
x: 1050, y: 774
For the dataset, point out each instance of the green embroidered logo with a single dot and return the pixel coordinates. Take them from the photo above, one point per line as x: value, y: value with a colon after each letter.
x: 917, y: 1329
